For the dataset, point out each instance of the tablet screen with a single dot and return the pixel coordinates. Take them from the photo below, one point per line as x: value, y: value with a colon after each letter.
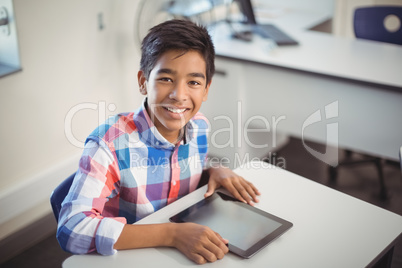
x: 247, y: 228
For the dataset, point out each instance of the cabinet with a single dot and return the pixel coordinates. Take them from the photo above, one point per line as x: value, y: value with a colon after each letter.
x: 236, y: 137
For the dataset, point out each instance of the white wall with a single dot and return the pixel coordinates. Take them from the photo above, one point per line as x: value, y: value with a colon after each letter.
x: 66, y: 60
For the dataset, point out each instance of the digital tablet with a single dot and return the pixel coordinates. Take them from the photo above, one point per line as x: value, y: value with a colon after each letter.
x: 247, y: 228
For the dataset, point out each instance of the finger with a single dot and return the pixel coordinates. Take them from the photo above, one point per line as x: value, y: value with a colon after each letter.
x: 235, y: 192
x: 254, y: 188
x: 212, y: 185
x: 240, y: 187
x: 218, y: 252
x: 207, y: 253
x: 197, y: 258
x: 250, y: 190
x: 224, y: 241
x: 217, y: 245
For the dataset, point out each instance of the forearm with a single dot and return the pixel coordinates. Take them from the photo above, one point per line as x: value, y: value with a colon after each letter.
x: 146, y: 235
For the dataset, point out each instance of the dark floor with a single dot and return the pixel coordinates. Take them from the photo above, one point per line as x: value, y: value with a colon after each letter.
x: 360, y: 181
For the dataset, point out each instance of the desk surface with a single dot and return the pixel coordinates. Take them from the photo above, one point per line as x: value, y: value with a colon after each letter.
x: 330, y: 229
x: 321, y: 53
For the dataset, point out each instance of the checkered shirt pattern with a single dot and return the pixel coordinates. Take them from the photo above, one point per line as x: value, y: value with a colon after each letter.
x: 127, y: 171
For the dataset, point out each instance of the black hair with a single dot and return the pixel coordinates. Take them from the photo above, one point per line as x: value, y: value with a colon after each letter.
x: 177, y: 35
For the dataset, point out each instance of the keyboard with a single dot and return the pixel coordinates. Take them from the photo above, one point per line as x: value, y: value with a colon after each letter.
x: 272, y: 32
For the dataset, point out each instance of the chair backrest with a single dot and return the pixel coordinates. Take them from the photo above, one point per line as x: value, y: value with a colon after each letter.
x: 369, y: 23
x: 58, y: 195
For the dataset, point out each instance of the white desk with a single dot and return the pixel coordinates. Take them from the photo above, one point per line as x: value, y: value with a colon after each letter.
x: 362, y: 77
x: 319, y: 53
x: 330, y: 229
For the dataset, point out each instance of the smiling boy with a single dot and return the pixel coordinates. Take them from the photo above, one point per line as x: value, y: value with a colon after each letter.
x: 139, y: 162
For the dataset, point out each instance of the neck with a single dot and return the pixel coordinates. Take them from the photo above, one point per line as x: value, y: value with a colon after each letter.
x: 176, y: 138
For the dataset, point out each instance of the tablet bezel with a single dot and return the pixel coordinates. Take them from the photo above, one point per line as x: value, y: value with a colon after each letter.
x: 251, y: 251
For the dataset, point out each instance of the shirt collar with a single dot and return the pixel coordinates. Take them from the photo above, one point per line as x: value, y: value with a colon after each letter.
x: 150, y: 135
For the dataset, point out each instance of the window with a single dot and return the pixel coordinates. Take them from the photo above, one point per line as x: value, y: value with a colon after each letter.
x: 9, y: 53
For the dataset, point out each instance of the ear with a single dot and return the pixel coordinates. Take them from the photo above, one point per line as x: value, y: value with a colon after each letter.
x: 142, y: 82
x: 205, y: 97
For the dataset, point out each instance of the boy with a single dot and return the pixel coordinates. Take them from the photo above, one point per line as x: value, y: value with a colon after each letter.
x: 137, y: 163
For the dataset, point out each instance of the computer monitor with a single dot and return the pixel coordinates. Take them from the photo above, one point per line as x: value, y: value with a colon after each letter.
x: 265, y: 30
x: 247, y: 9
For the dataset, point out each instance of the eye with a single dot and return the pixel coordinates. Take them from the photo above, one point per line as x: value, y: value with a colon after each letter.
x: 194, y: 83
x: 165, y: 79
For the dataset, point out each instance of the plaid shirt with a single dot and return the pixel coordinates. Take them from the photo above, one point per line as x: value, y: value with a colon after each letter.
x: 127, y: 171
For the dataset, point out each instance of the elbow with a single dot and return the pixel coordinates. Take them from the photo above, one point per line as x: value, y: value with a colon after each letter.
x: 73, y: 243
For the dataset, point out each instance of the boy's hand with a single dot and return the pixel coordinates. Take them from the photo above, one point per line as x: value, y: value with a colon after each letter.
x: 241, y: 189
x: 199, y: 243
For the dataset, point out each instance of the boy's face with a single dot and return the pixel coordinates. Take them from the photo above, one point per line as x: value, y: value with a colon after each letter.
x: 175, y: 90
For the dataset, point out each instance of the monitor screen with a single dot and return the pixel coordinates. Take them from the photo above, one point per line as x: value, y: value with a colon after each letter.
x: 247, y: 9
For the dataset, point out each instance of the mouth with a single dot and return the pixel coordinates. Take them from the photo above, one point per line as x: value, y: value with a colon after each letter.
x: 175, y: 110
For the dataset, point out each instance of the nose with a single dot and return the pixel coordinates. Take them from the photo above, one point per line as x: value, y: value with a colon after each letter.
x: 179, y: 92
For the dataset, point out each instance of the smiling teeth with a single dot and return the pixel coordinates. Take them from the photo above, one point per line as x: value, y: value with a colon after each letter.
x: 176, y: 111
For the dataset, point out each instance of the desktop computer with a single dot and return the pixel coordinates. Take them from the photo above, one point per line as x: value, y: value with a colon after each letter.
x: 265, y: 30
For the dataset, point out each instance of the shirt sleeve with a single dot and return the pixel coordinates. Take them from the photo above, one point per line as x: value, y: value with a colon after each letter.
x: 82, y: 227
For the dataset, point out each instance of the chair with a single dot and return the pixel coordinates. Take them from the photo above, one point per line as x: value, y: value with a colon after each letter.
x: 369, y: 24
x: 58, y: 195
x: 349, y: 161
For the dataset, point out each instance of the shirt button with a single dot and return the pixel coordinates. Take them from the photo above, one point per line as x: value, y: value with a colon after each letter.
x: 174, y: 183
